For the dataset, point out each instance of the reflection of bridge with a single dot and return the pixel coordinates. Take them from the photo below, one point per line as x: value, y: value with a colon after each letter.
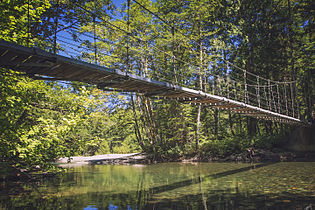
x: 79, y: 59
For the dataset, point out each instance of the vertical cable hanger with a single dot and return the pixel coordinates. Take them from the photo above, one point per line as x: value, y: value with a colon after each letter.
x: 228, y: 86
x: 214, y: 79
x: 292, y: 99
x: 128, y: 34
x: 279, y: 105
x: 56, y: 28
x: 245, y: 88
x: 235, y: 92
x: 286, y: 99
x: 296, y: 101
x: 28, y: 23
x: 173, y: 45
x: 266, y: 98
x: 94, y: 33
x: 269, y: 95
x: 258, y: 92
x: 228, y: 81
x: 273, y: 100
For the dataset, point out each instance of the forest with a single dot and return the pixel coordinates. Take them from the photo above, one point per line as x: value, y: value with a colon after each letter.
x: 42, y: 120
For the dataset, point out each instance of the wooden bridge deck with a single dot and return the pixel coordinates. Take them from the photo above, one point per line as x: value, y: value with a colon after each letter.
x: 36, y: 62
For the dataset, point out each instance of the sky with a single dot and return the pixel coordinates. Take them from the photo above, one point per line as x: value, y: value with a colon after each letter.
x: 118, y: 3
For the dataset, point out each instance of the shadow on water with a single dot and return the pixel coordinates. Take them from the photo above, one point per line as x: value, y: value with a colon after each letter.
x: 142, y: 198
x: 197, y: 180
x: 135, y: 200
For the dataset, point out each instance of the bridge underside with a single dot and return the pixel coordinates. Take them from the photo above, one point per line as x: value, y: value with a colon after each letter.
x: 43, y: 65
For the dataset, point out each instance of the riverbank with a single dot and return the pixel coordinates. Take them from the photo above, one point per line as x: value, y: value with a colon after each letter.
x: 131, y: 158
x: 250, y: 155
x: 262, y: 155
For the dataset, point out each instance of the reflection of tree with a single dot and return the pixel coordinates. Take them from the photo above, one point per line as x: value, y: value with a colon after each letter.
x: 140, y: 190
x: 204, y: 199
x: 141, y: 196
x: 188, y: 182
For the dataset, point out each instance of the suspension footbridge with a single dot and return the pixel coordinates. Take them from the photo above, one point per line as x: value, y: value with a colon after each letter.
x: 76, y: 53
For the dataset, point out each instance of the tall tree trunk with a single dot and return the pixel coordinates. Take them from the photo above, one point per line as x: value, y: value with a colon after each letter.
x: 137, y: 130
x: 230, y: 116
x: 292, y: 59
x: 231, y: 123
x: 198, y: 126
x: 200, y: 84
x: 144, y: 122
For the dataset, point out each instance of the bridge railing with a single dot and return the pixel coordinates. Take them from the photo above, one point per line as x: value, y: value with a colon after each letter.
x: 141, y: 42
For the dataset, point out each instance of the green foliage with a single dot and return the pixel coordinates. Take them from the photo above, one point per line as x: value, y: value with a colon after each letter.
x: 220, y: 148
x: 16, y: 18
x: 269, y: 141
x: 41, y: 121
x: 238, y: 144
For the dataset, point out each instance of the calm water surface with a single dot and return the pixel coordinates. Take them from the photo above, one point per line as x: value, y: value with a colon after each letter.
x: 286, y: 185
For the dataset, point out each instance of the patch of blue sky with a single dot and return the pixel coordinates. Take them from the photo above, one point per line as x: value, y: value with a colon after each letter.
x: 119, y: 3
x: 305, y: 23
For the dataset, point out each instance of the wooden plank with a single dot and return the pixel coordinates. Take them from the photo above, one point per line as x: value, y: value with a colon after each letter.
x: 145, y: 88
x: 64, y: 70
x: 175, y: 95
x: 90, y: 78
x: 33, y: 69
x: 3, y: 52
x: 110, y: 77
x: 130, y: 85
x: 8, y: 56
x: 242, y: 109
x: 104, y: 78
x: 227, y: 106
x: 206, y: 100
x: 19, y: 59
x: 53, y: 71
x: 155, y: 92
x: 76, y: 74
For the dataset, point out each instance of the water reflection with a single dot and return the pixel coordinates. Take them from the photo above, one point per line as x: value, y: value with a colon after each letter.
x: 170, y: 186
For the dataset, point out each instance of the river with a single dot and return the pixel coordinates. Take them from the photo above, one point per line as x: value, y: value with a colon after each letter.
x: 283, y: 185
